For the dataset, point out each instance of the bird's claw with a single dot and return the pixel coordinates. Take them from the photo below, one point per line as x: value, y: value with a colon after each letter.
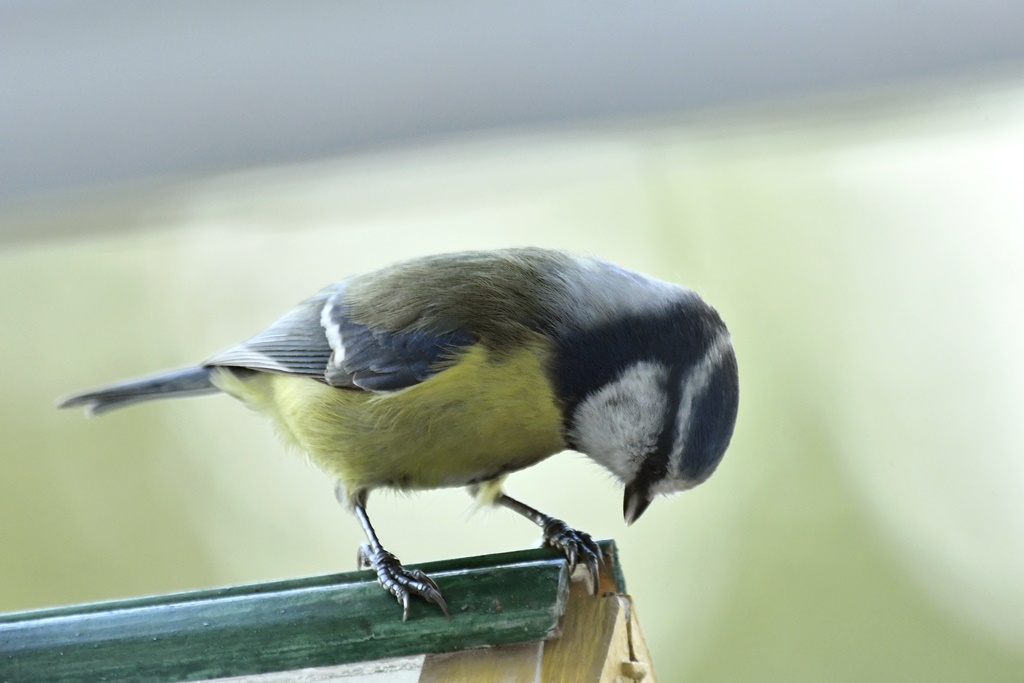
x: 399, y: 581
x: 578, y: 546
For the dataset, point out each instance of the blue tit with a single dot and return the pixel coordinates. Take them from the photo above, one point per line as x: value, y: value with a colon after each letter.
x: 458, y: 369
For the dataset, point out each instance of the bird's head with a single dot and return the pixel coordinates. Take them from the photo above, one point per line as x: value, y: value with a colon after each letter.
x: 652, y: 395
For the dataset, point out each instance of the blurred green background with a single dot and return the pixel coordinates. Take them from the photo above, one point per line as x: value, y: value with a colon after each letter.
x: 867, y: 522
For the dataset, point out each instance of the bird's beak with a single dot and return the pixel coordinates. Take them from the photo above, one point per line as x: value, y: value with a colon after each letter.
x: 635, y: 502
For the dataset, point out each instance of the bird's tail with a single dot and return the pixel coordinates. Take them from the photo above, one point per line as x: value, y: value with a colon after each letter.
x: 187, y: 382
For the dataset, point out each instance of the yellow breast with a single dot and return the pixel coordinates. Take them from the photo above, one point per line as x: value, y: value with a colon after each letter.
x: 482, y: 417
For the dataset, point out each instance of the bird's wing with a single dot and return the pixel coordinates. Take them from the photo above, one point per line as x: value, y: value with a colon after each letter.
x: 384, y: 360
x: 294, y: 345
x: 320, y: 339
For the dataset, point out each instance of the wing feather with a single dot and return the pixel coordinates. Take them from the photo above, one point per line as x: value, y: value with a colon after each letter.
x: 386, y: 360
x: 320, y: 339
x: 294, y: 345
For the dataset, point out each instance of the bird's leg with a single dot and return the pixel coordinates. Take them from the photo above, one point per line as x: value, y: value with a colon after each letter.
x: 395, y: 578
x: 578, y: 546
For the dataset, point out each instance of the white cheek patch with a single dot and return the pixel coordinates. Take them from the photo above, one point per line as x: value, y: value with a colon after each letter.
x: 620, y: 424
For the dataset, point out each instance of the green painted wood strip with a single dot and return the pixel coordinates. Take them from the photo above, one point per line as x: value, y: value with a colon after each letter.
x: 318, y: 621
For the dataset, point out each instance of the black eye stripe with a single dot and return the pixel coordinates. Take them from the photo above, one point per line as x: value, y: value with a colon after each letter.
x: 677, y: 337
x: 655, y: 465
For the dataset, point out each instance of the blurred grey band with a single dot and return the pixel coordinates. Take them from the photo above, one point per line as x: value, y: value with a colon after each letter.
x: 94, y: 94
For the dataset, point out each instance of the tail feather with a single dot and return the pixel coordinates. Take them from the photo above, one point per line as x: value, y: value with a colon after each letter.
x: 187, y: 382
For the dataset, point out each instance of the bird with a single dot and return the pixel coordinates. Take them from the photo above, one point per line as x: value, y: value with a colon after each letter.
x: 458, y: 369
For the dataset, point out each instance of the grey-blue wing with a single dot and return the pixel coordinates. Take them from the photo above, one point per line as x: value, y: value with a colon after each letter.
x: 294, y: 345
x: 319, y: 339
x: 385, y: 360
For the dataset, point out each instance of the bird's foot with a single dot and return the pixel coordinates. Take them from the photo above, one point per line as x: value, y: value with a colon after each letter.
x: 578, y: 546
x: 399, y: 581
